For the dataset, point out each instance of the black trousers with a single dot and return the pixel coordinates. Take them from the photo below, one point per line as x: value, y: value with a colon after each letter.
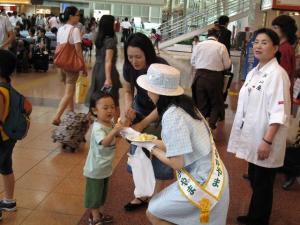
x: 262, y: 181
x: 207, y: 94
x: 125, y: 33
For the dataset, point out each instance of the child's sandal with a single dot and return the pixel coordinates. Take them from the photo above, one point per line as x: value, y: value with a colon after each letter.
x: 105, y: 219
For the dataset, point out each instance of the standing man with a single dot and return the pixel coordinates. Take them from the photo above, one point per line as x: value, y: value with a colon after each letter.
x: 210, y: 58
x: 225, y: 34
x: 6, y: 32
x: 125, y: 29
x: 225, y: 38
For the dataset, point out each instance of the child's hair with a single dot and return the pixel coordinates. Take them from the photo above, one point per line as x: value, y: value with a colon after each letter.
x: 7, y: 64
x: 96, y: 97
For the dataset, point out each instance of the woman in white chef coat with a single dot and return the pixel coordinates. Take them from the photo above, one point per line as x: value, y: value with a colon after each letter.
x: 259, y: 130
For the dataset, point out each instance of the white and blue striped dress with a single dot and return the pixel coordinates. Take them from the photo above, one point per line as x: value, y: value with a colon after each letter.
x: 186, y: 136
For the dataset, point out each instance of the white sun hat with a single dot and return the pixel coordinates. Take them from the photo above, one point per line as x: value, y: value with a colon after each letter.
x: 161, y: 79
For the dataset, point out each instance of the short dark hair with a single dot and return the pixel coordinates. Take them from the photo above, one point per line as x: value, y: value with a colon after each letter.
x: 126, y: 19
x: 183, y: 101
x: 96, y: 96
x: 288, y: 26
x: 54, y: 30
x: 213, y: 32
x: 273, y: 36
x: 142, y: 42
x: 7, y: 64
x: 196, y: 36
x: 223, y: 20
x: 32, y: 30
x: 105, y: 29
x: 42, y: 30
x: 69, y: 11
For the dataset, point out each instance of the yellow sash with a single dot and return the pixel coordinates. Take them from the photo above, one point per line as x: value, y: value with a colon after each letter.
x: 206, y: 196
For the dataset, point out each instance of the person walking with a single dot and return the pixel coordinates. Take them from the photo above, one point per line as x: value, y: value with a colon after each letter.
x: 210, y: 58
x: 71, y: 17
x: 259, y: 130
x: 125, y: 29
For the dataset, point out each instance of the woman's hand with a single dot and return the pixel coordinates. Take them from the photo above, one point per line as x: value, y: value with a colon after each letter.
x: 139, y: 126
x: 263, y: 151
x: 108, y: 83
x: 160, y: 144
x: 130, y: 114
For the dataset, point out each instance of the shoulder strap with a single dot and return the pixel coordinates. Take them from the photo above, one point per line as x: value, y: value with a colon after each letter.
x: 71, y: 31
x: 5, y: 85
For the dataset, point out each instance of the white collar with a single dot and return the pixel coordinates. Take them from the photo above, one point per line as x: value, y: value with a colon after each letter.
x: 266, y: 68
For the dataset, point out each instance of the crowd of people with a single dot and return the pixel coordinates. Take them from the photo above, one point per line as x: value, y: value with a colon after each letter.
x: 155, y: 104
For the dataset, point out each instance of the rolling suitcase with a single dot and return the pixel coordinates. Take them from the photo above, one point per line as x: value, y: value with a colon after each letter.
x: 71, y: 131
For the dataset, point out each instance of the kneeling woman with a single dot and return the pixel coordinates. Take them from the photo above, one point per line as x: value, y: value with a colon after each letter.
x: 201, y: 193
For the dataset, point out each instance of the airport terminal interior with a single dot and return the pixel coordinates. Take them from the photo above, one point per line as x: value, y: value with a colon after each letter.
x: 50, y: 185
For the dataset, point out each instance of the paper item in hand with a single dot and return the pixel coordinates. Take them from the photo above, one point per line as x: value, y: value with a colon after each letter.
x: 129, y: 133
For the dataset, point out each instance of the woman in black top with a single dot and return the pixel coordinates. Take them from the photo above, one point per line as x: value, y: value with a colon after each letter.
x: 139, y: 54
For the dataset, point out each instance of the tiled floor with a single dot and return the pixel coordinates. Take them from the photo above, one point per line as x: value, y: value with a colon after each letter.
x: 49, y: 182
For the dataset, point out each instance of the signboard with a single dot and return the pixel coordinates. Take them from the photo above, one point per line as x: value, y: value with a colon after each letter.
x: 15, y: 1
x: 266, y: 4
x: 293, y: 5
x: 43, y: 11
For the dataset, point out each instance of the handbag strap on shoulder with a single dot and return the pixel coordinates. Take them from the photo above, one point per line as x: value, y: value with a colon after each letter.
x: 71, y: 31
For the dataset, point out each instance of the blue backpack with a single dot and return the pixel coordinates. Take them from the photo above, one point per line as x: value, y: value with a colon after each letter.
x: 17, y: 122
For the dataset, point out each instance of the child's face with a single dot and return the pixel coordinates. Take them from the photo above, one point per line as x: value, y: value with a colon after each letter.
x: 105, y: 109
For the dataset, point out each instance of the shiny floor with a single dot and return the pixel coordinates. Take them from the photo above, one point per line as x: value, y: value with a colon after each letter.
x: 49, y: 182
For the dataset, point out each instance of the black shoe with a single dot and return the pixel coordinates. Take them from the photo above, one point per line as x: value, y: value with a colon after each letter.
x: 133, y: 206
x: 288, y: 183
x: 243, y: 220
x: 12, y: 206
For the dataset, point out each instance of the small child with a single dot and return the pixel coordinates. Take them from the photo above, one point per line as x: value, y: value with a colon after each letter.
x: 7, y: 66
x: 98, y: 165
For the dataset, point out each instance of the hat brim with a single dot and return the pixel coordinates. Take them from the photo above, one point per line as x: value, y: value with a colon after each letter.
x: 143, y: 83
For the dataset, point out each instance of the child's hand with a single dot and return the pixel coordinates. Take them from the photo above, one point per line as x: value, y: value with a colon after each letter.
x: 118, y: 127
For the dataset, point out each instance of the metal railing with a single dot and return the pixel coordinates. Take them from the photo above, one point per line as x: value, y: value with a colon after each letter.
x: 196, y: 20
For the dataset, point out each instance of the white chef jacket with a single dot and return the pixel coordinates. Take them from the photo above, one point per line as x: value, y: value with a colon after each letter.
x: 264, y: 99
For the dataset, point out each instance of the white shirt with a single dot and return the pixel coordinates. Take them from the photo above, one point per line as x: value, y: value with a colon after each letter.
x: 5, y: 28
x: 13, y: 20
x: 210, y: 55
x: 63, y: 33
x: 125, y: 25
x: 53, y: 22
x: 264, y: 99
